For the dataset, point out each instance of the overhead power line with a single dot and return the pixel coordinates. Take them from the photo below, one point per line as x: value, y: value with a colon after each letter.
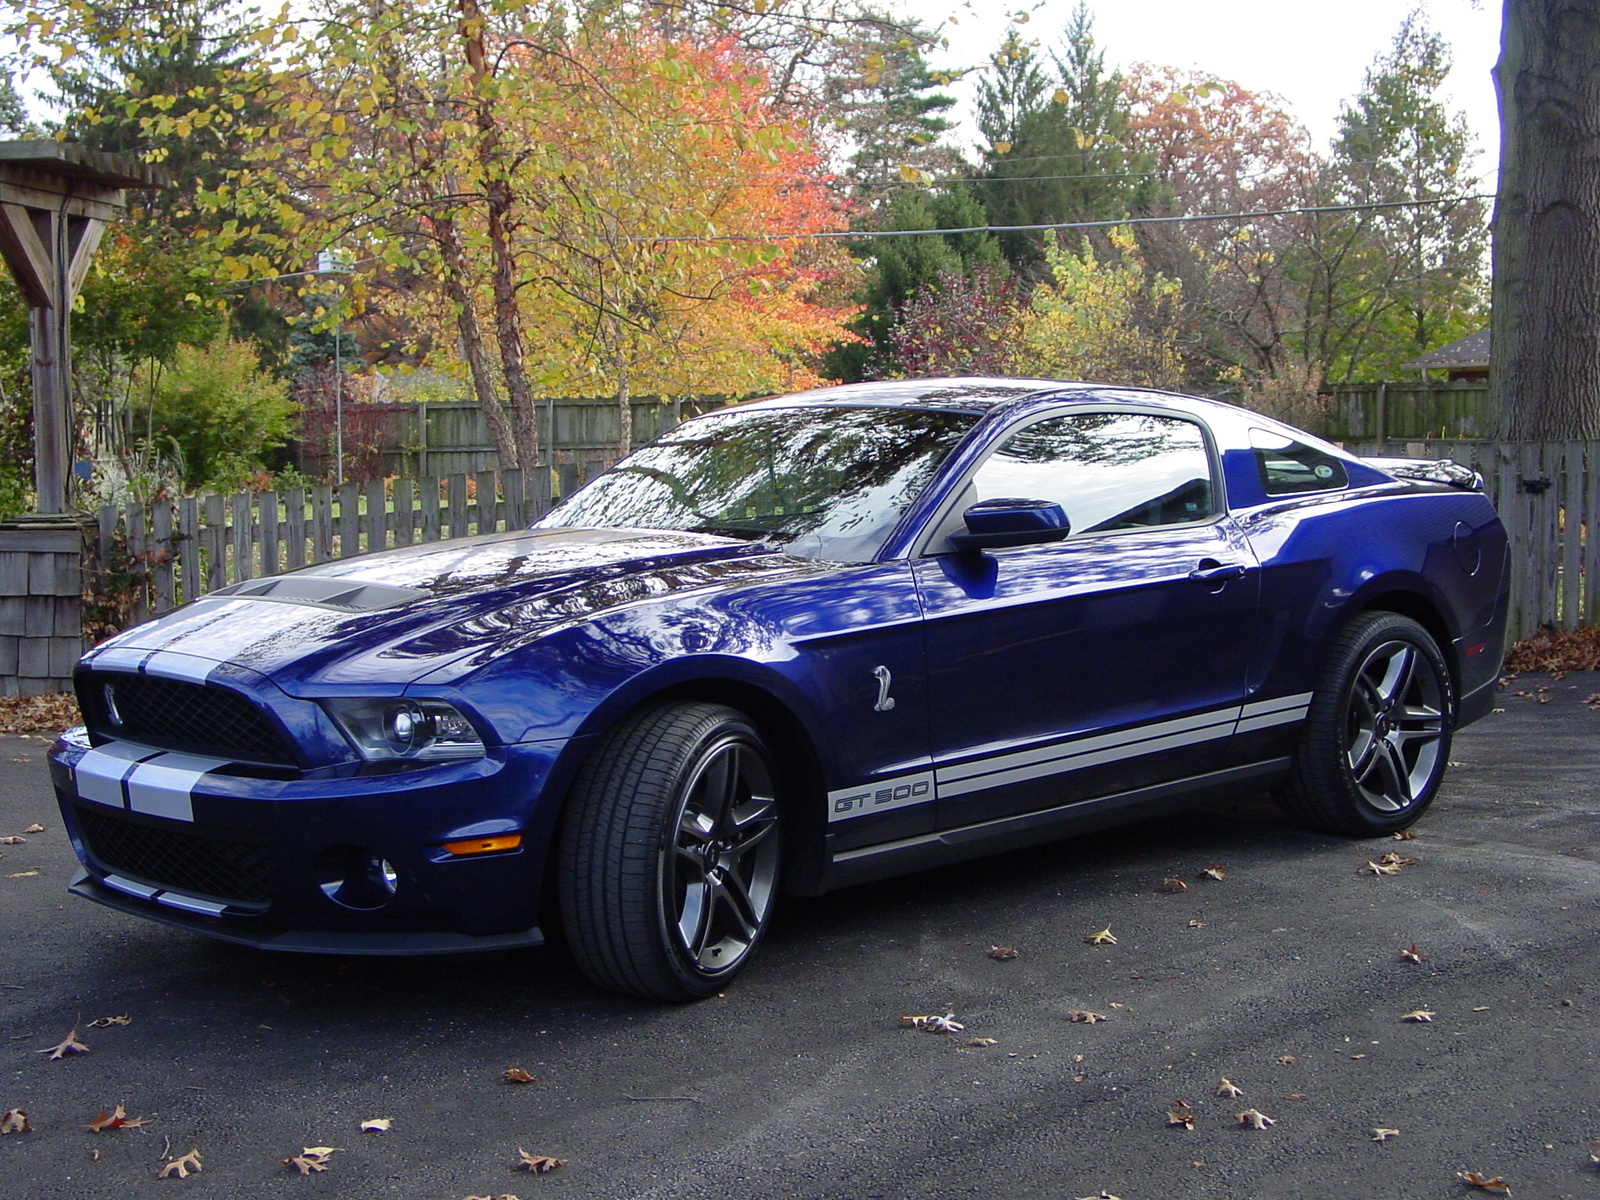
x: 865, y: 235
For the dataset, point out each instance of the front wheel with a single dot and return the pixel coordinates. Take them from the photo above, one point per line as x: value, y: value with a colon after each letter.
x: 1377, y: 735
x: 669, y: 852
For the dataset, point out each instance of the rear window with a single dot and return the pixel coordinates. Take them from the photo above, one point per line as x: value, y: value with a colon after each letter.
x: 1287, y: 466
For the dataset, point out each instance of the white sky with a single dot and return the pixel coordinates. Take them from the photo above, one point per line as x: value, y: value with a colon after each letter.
x: 1314, y: 56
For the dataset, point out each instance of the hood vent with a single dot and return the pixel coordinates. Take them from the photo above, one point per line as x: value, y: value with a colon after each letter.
x: 322, y: 592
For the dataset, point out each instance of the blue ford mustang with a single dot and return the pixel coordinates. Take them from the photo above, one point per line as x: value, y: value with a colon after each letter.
x: 791, y: 645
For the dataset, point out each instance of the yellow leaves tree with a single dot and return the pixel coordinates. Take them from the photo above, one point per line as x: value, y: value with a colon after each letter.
x: 1110, y: 319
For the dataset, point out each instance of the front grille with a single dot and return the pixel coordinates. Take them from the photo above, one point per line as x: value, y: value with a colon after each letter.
x: 171, y: 714
x: 219, y: 868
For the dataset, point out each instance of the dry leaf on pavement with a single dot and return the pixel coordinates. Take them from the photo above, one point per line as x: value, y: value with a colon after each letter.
x: 1003, y: 953
x: 1379, y: 868
x: 117, y: 1118
x: 311, y: 1158
x: 15, y: 1121
x: 377, y: 1125
x: 1103, y: 938
x: 539, y: 1164
x: 1392, y: 859
x: 107, y: 1022
x: 1214, y: 871
x: 181, y: 1166
x: 1412, y: 955
x: 1226, y: 1087
x: 934, y: 1024
x: 1181, y: 1114
x: 1383, y: 1135
x: 1420, y: 1015
x: 517, y: 1075
x: 1101, y: 1195
x: 1287, y: 1060
x: 1082, y: 1016
x: 1496, y: 1185
x: 13, y: 840
x: 35, y: 828
x: 1251, y: 1119
x: 980, y: 1043
x: 1174, y: 885
x: 68, y: 1045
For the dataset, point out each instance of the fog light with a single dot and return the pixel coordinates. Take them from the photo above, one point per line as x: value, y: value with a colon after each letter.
x: 355, y: 877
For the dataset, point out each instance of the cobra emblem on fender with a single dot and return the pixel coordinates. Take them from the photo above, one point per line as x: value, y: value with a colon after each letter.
x: 885, y: 701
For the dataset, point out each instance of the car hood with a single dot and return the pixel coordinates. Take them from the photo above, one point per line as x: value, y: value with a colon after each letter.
x: 395, y: 615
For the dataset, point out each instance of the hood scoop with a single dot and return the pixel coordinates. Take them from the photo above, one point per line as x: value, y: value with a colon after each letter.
x: 318, y: 591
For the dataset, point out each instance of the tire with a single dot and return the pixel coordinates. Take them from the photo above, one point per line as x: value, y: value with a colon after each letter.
x: 1377, y: 735
x: 669, y: 853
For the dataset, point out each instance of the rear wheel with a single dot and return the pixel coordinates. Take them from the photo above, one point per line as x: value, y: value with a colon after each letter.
x: 1377, y: 735
x: 669, y: 852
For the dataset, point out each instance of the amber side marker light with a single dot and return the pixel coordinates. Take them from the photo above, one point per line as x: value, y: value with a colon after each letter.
x: 506, y: 841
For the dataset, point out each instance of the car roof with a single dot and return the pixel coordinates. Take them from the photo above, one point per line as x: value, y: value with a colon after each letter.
x: 971, y: 394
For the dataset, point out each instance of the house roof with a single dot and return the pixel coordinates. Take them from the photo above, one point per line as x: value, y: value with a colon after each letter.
x: 1470, y: 351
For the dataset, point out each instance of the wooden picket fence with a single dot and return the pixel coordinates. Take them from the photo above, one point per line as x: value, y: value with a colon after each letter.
x: 1548, y: 495
x: 160, y: 555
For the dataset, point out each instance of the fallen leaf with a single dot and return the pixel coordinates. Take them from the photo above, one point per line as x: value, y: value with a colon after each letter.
x: 1175, y: 885
x: 1287, y: 1060
x: 107, y: 1022
x: 1420, y: 1015
x: 1214, y: 871
x: 312, y: 1158
x: 1081, y: 1016
x: 539, y: 1164
x: 517, y: 1075
x: 980, y: 1043
x: 1412, y: 955
x: 1103, y: 938
x: 1404, y: 835
x: 934, y: 1024
x: 1383, y: 1135
x: 116, y: 1119
x: 1293, y: 1097
x: 1226, y: 1087
x: 377, y: 1125
x: 1594, y: 1159
x: 1379, y: 868
x: 12, y: 840
x: 1003, y: 953
x: 1193, y: 924
x: 1100, y: 1196
x: 21, y: 874
x: 1392, y: 859
x: 1252, y: 1119
x: 15, y: 1121
x: 1481, y: 1008
x: 68, y: 1045
x: 1356, y: 1056
x: 181, y: 1166
x: 1181, y: 1114
x: 1496, y: 1185
x: 34, y: 829
x: 506, y: 1196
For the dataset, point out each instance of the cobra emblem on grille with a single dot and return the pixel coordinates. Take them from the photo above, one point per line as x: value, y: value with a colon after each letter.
x: 110, y: 695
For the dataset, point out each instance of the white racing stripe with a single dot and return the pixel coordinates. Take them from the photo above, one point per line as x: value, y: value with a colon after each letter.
x: 1019, y: 766
x: 138, y: 779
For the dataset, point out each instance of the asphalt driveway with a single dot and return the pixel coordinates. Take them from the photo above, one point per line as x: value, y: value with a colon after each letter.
x: 1285, y: 976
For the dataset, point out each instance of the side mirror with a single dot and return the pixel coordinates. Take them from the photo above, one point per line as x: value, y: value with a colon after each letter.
x: 1006, y: 521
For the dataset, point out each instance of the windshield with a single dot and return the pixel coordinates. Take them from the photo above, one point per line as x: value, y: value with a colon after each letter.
x: 823, y: 482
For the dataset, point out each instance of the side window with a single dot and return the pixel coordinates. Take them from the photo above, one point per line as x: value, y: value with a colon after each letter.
x: 1287, y: 466
x: 1110, y: 470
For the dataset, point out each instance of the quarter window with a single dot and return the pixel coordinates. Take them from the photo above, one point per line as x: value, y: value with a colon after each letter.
x: 1287, y: 466
x: 1108, y: 471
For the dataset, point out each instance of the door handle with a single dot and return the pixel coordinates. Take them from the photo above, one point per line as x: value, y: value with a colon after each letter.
x: 1212, y: 571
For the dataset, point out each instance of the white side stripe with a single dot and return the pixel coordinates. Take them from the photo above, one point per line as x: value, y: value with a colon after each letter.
x: 1019, y: 766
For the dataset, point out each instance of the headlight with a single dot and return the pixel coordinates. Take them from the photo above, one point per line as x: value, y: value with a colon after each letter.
x: 406, y: 729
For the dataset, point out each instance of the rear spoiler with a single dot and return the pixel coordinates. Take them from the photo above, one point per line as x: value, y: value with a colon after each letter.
x: 1430, y: 470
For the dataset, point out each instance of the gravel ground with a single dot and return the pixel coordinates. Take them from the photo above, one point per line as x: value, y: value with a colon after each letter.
x: 1285, y: 976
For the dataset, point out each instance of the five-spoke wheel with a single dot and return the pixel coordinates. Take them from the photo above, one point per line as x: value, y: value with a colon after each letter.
x: 670, y: 850
x: 1378, y: 731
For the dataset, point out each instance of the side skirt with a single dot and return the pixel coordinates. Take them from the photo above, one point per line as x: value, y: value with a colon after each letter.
x: 850, y: 867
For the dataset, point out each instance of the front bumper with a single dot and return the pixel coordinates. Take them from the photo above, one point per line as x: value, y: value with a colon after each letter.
x: 255, y: 857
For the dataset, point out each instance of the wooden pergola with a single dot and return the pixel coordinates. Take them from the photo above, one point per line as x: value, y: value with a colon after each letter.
x: 55, y: 201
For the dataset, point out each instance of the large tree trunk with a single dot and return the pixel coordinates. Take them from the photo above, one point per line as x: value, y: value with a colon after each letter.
x: 502, y: 260
x: 458, y: 287
x: 1545, y: 365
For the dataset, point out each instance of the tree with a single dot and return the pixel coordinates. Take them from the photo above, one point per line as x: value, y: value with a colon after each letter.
x: 1545, y: 369
x: 1057, y: 141
x: 1111, y: 320
x: 1391, y: 282
x: 961, y: 324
